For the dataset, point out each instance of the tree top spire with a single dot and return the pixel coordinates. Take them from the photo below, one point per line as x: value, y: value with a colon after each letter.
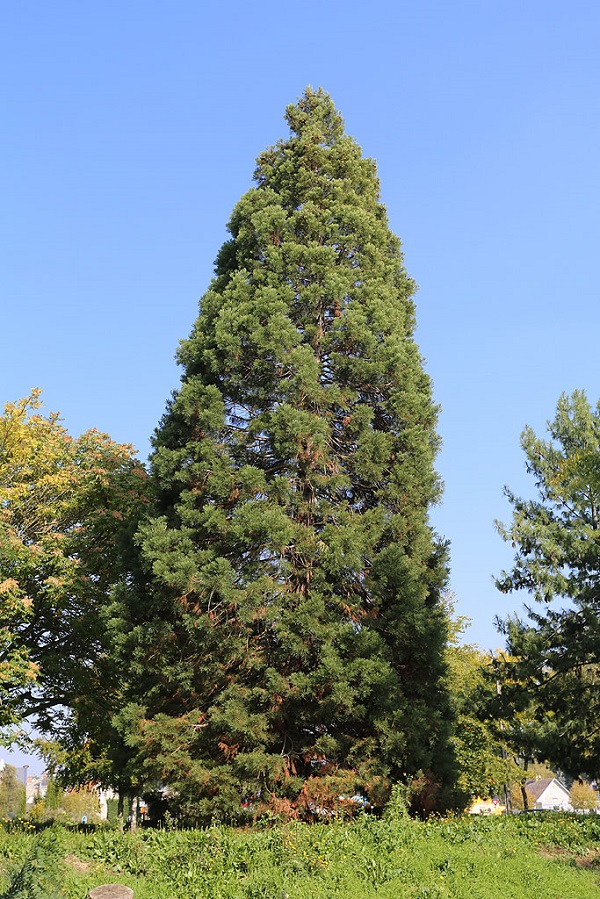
x: 315, y: 115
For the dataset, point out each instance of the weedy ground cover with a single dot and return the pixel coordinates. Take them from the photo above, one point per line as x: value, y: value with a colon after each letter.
x: 549, y: 857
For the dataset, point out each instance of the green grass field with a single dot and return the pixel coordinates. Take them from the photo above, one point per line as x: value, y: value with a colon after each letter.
x: 544, y: 857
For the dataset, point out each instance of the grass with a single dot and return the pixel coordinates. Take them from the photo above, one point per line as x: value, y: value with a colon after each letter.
x: 549, y: 857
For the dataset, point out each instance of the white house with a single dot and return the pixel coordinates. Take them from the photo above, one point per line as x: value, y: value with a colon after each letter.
x: 549, y: 795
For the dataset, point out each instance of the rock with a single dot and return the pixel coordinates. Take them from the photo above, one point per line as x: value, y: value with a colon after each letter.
x: 111, y: 891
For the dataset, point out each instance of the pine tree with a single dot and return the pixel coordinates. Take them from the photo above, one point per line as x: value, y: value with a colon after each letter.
x: 552, y: 667
x: 291, y: 651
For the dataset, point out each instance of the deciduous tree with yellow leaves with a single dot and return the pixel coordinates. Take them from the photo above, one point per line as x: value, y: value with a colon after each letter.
x: 66, y: 506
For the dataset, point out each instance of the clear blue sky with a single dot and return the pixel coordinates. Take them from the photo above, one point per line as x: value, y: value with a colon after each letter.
x: 130, y: 130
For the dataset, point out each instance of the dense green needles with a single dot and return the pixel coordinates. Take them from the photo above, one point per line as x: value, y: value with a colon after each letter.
x: 551, y: 676
x: 289, y: 651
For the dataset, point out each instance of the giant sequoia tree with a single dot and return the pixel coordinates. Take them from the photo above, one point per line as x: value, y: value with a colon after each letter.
x: 290, y: 652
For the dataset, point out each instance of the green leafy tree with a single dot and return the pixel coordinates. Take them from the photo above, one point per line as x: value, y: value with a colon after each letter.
x: 12, y: 793
x: 53, y: 795
x: 292, y: 649
x: 552, y: 667
x: 66, y: 806
x: 76, y: 804
x: 68, y: 509
x: 483, y: 755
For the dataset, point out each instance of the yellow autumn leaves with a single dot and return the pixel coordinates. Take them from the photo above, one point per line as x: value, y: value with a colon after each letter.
x: 52, y: 486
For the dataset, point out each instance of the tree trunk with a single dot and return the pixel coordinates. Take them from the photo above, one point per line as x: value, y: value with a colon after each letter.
x: 120, y: 810
x: 523, y: 789
x: 133, y: 814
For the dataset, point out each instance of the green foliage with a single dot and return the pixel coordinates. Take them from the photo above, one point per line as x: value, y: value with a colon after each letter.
x: 484, y: 763
x: 53, y: 795
x: 66, y: 508
x: 79, y: 803
x: 290, y: 647
x: 12, y: 793
x: 398, y: 804
x: 40, y: 876
x: 66, y: 807
x: 549, y: 856
x: 550, y: 673
x: 113, y: 810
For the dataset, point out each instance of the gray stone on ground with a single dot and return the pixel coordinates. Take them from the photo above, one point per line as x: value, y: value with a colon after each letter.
x: 111, y: 891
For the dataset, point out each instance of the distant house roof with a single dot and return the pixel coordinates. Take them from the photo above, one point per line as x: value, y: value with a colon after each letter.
x: 548, y: 792
x: 537, y: 787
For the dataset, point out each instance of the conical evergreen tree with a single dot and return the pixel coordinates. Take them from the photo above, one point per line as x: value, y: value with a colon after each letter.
x: 291, y: 651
